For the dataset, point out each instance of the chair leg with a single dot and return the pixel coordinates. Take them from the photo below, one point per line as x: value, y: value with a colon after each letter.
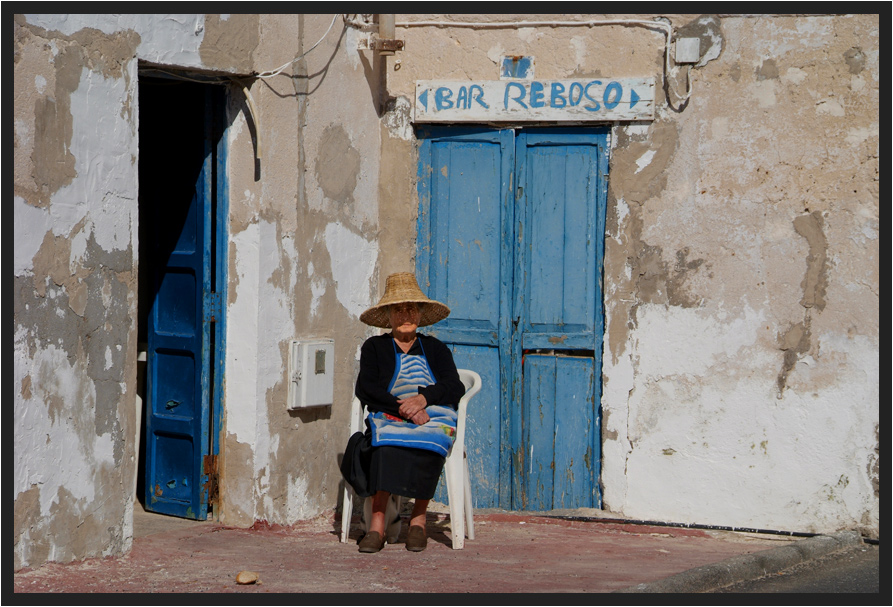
x: 469, y: 509
x: 455, y: 492
x: 346, y: 513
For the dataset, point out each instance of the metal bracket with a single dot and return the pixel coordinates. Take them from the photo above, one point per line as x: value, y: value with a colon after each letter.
x: 213, y: 307
x: 210, y: 470
x: 370, y: 42
x: 380, y: 44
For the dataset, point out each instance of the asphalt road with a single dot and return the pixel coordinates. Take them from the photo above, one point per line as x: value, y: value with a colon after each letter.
x: 856, y: 570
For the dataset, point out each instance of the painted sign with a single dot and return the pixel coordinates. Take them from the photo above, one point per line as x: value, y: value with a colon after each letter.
x: 579, y: 100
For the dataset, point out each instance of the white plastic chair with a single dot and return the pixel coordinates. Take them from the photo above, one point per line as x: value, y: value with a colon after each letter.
x: 455, y: 469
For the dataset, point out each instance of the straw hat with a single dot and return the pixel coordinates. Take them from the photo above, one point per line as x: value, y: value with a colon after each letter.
x: 401, y: 288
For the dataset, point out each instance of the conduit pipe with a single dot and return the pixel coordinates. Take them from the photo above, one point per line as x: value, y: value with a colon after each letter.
x: 386, y: 31
x: 255, y: 117
x: 665, y: 27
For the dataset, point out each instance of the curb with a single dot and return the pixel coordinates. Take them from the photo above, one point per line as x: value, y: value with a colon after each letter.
x: 751, y: 566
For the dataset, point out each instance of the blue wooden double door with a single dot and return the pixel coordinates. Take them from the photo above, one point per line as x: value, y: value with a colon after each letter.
x: 511, y: 238
x: 182, y: 276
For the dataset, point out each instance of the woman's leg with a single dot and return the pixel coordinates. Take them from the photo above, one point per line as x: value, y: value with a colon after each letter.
x: 419, y: 513
x: 379, y: 505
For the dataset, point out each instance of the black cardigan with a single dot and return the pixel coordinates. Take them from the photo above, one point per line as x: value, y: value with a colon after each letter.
x: 377, y: 364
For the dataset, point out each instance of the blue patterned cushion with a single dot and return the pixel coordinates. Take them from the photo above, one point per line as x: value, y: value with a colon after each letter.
x: 437, y: 435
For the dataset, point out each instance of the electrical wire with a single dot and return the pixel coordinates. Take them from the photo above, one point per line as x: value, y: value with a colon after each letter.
x: 226, y: 79
x: 279, y: 70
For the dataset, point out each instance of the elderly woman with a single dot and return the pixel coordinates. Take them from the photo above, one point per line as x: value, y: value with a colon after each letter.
x: 411, y: 386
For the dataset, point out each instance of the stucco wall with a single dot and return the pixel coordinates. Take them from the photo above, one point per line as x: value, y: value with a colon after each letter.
x: 75, y: 296
x: 302, y: 259
x: 742, y: 354
x: 740, y: 369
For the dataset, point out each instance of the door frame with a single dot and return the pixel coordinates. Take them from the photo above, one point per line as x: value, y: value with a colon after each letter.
x: 220, y: 246
x: 509, y: 339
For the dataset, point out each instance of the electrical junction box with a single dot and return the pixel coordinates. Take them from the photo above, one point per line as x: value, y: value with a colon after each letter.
x: 688, y: 50
x: 311, y: 373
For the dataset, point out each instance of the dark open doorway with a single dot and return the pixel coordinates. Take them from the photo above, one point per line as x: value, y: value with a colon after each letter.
x: 182, y: 245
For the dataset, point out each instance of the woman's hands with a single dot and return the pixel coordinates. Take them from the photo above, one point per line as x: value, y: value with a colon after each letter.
x: 413, y: 409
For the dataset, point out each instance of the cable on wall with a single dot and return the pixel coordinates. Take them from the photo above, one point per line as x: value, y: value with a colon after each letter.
x: 279, y: 70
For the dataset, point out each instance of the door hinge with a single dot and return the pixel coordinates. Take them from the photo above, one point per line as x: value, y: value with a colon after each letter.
x: 213, y: 307
x: 211, y: 485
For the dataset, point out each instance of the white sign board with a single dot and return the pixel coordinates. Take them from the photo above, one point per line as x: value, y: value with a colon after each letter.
x: 579, y: 100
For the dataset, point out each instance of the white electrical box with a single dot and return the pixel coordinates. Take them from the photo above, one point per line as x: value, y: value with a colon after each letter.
x: 688, y: 50
x: 311, y: 373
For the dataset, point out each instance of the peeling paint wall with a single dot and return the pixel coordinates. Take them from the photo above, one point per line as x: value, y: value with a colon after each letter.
x: 741, y: 363
x: 302, y: 263
x: 75, y: 290
x: 303, y: 258
x: 740, y: 372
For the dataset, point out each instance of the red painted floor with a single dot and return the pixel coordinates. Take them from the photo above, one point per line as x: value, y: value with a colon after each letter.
x: 511, y: 553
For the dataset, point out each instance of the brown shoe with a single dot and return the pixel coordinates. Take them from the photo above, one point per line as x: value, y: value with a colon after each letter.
x: 372, y: 542
x: 416, y: 539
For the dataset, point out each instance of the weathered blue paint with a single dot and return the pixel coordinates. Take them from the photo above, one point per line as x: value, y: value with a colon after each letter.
x: 516, y: 67
x: 560, y: 434
x: 559, y: 215
x: 220, y: 284
x: 185, y: 351
x: 511, y: 233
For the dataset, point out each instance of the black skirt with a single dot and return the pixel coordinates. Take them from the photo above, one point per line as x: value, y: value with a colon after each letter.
x: 412, y: 473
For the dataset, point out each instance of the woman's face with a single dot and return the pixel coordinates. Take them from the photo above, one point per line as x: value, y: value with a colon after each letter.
x: 405, y: 317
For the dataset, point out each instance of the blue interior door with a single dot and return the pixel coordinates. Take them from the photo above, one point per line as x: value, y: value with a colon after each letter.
x: 181, y: 206
x: 510, y: 236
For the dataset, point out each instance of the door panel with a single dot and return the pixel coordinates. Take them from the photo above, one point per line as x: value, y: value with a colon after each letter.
x: 175, y: 453
x: 483, y: 427
x: 560, y: 433
x: 577, y: 452
x: 558, y: 178
x: 464, y: 203
x: 175, y: 312
x: 173, y: 377
x: 464, y: 180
